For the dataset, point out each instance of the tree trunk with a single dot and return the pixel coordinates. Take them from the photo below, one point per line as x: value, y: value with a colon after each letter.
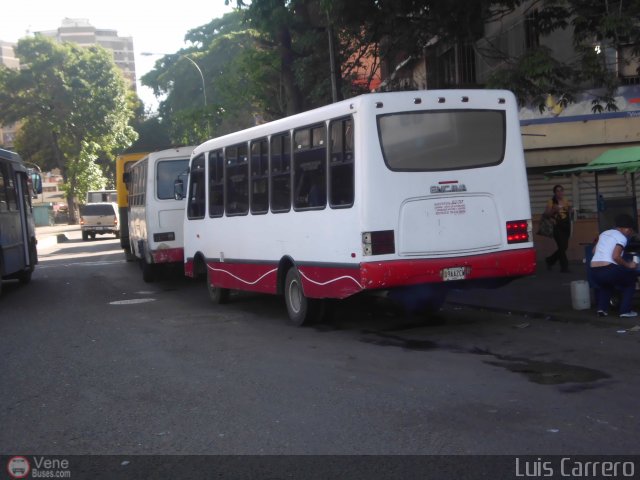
x: 71, y: 200
x: 62, y: 165
x: 291, y: 91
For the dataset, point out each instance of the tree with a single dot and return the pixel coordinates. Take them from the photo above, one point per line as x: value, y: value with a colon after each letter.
x: 231, y: 59
x: 72, y: 103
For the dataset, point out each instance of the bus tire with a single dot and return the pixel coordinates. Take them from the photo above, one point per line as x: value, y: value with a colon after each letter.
x: 302, y: 310
x: 128, y: 256
x: 85, y: 236
x: 24, y: 277
x: 148, y: 271
x: 218, y: 295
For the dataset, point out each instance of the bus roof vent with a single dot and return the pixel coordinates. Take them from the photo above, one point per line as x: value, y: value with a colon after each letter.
x: 441, y: 100
x: 465, y: 99
x: 379, y: 104
x: 417, y: 101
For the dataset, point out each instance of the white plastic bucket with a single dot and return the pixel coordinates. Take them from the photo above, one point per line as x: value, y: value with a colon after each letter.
x: 580, y: 295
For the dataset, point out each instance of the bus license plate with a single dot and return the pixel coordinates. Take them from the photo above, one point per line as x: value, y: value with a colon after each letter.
x: 454, y: 273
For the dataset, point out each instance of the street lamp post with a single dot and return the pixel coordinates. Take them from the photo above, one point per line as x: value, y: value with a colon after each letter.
x: 204, y: 90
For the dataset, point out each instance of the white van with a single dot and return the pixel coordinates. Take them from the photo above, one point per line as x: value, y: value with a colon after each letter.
x: 99, y: 219
x: 156, y: 218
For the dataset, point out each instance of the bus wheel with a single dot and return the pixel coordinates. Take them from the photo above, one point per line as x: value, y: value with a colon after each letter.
x: 218, y: 295
x: 24, y: 277
x: 302, y: 310
x: 148, y: 271
x: 128, y: 256
x: 85, y: 236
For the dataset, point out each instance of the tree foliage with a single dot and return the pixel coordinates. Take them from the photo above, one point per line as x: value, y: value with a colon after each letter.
x: 72, y: 104
x: 271, y: 58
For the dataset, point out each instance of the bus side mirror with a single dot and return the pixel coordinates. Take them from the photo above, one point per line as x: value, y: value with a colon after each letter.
x: 36, y: 181
x: 126, y: 177
x: 178, y: 189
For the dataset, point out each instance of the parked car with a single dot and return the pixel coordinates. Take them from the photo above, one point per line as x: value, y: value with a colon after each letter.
x: 98, y: 219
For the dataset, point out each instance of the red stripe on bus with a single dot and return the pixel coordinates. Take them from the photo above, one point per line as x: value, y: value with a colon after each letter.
x: 244, y: 276
x: 320, y: 281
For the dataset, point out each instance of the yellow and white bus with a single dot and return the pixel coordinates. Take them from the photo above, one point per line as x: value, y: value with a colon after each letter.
x: 124, y: 162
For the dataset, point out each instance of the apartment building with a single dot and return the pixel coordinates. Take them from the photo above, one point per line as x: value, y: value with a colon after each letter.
x: 81, y: 32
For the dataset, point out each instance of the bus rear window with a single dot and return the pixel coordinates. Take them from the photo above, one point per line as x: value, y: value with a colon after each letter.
x: 442, y: 139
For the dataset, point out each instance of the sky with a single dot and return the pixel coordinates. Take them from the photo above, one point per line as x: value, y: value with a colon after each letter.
x: 155, y: 27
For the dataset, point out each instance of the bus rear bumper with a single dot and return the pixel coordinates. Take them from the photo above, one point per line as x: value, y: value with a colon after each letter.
x: 478, y: 271
x: 168, y: 255
x: 398, y: 273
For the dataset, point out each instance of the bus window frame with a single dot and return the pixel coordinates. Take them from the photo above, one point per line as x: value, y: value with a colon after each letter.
x: 263, y: 156
x: 342, y: 162
x: 194, y: 173
x: 237, y: 162
x: 285, y: 139
x: 308, y: 132
x: 448, y: 168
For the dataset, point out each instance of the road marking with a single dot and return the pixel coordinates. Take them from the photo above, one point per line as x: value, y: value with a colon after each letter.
x: 82, y: 264
x: 132, y: 301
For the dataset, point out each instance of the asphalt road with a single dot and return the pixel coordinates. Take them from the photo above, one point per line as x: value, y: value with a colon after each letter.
x: 95, y: 361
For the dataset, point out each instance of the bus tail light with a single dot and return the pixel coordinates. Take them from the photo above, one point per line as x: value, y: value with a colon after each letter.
x: 519, y: 231
x: 115, y: 221
x: 381, y: 242
x: 81, y: 221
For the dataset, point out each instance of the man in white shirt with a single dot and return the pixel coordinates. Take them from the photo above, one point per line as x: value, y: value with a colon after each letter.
x: 610, y: 271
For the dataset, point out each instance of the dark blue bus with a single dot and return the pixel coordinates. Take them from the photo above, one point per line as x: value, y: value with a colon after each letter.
x: 18, y: 254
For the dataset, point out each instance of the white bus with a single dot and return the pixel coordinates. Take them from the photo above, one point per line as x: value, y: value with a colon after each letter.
x: 155, y: 217
x: 413, y: 193
x: 101, y: 196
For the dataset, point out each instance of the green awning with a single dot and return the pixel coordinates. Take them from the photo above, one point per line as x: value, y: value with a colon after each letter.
x: 620, y: 160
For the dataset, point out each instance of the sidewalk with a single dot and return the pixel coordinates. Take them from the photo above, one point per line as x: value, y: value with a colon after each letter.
x: 546, y: 294
x: 50, y: 236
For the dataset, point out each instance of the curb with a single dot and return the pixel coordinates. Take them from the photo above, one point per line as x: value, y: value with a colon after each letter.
x: 611, y: 321
x: 49, y: 241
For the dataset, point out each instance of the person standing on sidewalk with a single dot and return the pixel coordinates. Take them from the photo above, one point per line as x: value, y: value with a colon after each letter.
x: 610, y: 271
x: 559, y: 208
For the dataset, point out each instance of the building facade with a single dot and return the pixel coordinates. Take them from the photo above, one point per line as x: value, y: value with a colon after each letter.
x: 561, y: 135
x: 81, y: 32
x: 8, y: 59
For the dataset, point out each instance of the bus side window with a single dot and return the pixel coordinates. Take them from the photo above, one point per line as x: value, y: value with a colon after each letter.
x: 310, y: 167
x: 4, y: 206
x: 237, y: 179
x: 10, y: 190
x: 341, y: 186
x: 216, y: 184
x: 26, y: 195
x: 259, y: 177
x: 196, y: 197
x: 281, y: 173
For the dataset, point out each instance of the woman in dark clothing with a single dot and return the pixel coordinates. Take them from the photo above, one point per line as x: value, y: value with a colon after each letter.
x: 559, y: 209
